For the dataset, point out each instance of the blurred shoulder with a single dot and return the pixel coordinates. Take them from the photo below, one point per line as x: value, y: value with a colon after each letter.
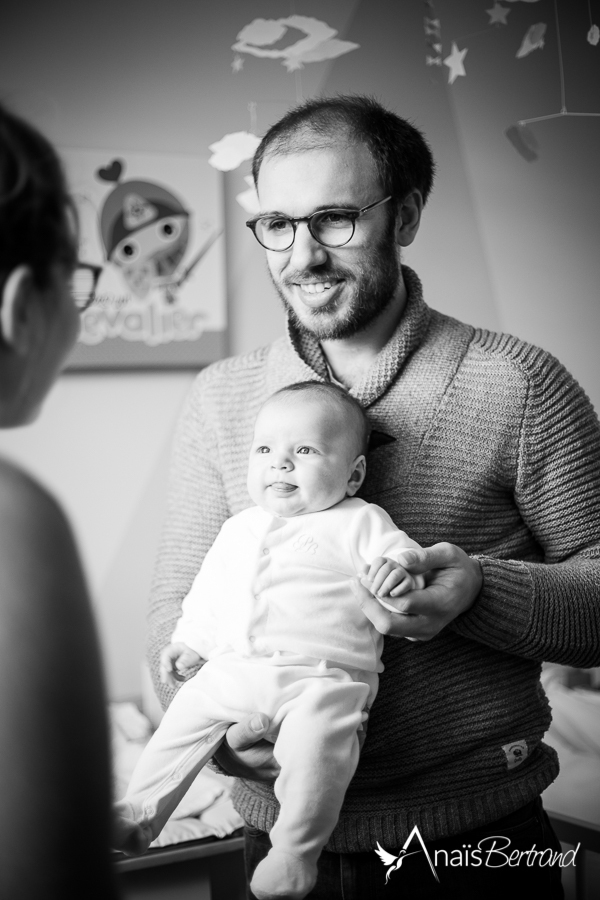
x: 31, y: 519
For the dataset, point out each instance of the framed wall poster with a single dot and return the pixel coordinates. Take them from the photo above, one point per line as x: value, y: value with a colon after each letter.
x: 153, y: 222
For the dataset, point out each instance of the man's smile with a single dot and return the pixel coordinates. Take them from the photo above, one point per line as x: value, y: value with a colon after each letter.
x: 317, y: 287
x: 316, y: 294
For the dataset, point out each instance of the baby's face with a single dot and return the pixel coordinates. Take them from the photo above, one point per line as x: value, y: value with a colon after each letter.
x: 304, y: 456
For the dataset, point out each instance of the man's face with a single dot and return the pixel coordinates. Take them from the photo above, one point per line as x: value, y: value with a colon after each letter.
x: 303, y: 458
x: 333, y: 293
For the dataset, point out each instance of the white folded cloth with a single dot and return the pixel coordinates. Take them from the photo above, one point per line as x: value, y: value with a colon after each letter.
x: 575, y: 735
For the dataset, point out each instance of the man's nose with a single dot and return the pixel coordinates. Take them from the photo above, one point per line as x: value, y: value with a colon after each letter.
x: 306, y: 251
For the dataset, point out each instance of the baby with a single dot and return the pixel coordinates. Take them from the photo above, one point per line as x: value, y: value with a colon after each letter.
x: 272, y: 611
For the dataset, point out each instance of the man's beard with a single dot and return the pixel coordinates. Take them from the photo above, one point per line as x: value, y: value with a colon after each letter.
x: 374, y: 286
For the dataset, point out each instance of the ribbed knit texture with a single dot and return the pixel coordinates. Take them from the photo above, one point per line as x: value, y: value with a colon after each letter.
x: 497, y: 450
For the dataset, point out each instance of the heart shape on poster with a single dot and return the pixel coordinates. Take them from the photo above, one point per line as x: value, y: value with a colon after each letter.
x: 112, y: 172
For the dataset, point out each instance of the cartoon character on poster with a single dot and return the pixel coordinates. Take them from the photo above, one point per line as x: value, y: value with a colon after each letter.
x: 145, y: 232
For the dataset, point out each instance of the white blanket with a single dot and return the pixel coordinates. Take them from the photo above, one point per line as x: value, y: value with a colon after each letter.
x: 575, y: 735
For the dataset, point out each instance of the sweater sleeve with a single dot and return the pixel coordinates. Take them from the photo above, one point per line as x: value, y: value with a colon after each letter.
x: 196, y: 510
x: 549, y: 610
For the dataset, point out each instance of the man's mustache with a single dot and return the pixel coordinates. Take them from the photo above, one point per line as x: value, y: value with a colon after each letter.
x: 318, y: 273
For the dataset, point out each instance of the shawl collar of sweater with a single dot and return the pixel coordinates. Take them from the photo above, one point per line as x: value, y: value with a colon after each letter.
x: 389, y: 361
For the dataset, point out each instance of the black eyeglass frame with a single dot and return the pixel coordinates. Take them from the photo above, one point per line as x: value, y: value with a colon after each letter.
x: 352, y: 214
x: 96, y: 273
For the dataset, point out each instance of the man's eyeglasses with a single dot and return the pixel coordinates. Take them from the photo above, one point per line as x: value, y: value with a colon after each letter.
x: 83, y: 282
x: 330, y: 227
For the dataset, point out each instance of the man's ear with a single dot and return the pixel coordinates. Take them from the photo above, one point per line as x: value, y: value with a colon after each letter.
x: 15, y: 311
x: 357, y: 476
x: 409, y: 218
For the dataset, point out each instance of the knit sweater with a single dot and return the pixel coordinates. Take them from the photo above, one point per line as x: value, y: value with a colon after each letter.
x: 495, y: 449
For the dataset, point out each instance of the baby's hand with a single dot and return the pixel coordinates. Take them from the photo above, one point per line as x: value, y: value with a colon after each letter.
x: 387, y: 578
x: 175, y: 660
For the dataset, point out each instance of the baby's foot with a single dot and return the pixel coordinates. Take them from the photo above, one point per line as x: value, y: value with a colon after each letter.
x: 282, y: 875
x: 129, y: 837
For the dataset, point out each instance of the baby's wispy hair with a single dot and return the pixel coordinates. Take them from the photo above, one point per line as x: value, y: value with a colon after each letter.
x: 338, y: 398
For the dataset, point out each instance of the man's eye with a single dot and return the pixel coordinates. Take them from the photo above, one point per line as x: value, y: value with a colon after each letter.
x: 276, y: 225
x: 334, y: 219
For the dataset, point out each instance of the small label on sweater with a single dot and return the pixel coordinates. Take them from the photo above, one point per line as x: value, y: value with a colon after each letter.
x: 516, y: 752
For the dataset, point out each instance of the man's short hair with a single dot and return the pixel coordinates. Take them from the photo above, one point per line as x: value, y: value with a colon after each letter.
x: 401, y: 154
x: 339, y: 399
x: 37, y: 216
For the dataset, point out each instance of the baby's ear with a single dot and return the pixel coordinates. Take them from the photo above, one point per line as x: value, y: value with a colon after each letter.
x: 357, y: 475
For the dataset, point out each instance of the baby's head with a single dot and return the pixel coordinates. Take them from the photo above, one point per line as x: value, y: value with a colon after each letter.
x: 308, y: 451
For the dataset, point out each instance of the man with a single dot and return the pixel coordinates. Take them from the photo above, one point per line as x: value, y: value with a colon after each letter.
x: 484, y: 450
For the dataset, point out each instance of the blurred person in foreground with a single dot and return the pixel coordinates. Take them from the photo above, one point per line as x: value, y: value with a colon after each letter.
x: 54, y: 762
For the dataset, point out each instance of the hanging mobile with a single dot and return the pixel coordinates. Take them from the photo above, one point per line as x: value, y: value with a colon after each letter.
x: 520, y: 135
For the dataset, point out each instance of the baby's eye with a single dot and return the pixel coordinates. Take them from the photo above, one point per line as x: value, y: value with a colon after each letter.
x: 305, y: 450
x: 262, y: 449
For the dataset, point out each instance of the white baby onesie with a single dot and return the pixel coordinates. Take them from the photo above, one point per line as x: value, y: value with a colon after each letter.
x: 272, y: 611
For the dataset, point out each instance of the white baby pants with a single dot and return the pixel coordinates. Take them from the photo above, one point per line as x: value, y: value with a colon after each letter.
x: 316, y: 710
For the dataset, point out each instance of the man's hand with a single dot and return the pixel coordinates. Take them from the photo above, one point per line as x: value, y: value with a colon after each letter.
x: 175, y: 660
x: 453, y: 581
x: 245, y: 754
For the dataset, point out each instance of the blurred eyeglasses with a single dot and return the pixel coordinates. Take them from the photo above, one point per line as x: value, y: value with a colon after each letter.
x: 330, y: 227
x: 84, y: 280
